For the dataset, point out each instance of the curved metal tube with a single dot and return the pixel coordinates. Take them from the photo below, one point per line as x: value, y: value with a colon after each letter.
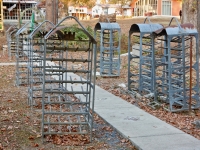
x: 178, y: 24
x: 22, y: 28
x: 68, y: 17
x: 11, y: 27
x: 150, y: 23
x: 147, y: 18
x: 36, y: 29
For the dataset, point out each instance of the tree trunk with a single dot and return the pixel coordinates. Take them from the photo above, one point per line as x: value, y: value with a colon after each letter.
x: 189, y: 12
x: 52, y: 11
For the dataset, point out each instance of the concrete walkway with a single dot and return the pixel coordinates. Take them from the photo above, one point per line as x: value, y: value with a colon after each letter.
x: 11, y: 64
x: 144, y: 130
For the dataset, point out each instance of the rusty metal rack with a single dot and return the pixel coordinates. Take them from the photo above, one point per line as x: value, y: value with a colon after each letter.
x: 22, y: 54
x: 140, y: 58
x: 108, y: 37
x: 35, y: 62
x: 68, y: 96
x: 177, y: 67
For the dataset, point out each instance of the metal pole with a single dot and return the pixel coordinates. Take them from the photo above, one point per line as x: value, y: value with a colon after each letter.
x: 198, y: 20
x: 190, y: 100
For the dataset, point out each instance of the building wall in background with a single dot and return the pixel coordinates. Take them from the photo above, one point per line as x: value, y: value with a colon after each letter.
x: 11, y: 11
x: 156, y: 7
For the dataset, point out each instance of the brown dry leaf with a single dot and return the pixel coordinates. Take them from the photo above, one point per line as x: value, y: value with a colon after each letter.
x: 91, y: 148
x: 1, y: 147
x: 124, y: 97
x: 10, y: 101
x: 123, y: 140
x: 127, y: 140
x: 6, y: 120
x: 6, y: 140
x: 35, y: 145
x: 132, y: 101
x: 3, y: 129
x: 57, y: 140
x: 39, y: 135
x: 109, y: 129
x: 10, y: 127
x: 31, y: 137
x: 198, y: 114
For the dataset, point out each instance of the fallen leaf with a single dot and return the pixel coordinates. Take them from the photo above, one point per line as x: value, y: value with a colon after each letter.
x: 5, y: 120
x: 123, y: 140
x: 39, y: 135
x: 3, y: 129
x: 35, y: 145
x: 31, y: 137
x: 1, y: 147
x: 11, y: 111
x: 10, y: 101
x: 10, y: 127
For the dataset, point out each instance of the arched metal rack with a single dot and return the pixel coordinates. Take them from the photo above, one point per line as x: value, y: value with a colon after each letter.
x: 67, y: 107
x: 35, y: 61
x: 141, y: 57
x: 108, y: 37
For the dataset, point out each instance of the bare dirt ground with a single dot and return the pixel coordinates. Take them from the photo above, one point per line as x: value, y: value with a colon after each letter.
x: 20, y: 126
